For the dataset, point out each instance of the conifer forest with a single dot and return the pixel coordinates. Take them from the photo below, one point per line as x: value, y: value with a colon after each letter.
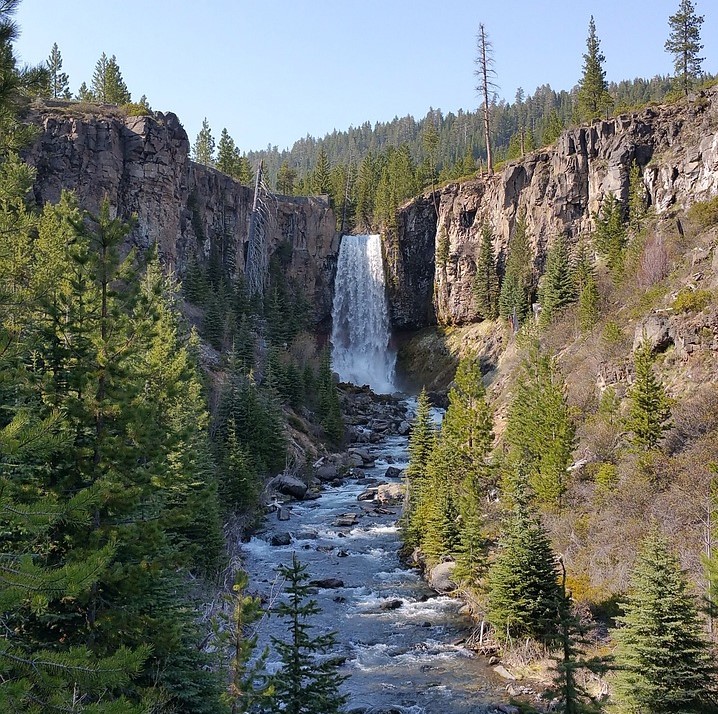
x: 417, y: 416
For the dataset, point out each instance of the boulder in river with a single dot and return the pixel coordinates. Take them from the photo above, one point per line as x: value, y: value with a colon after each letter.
x: 327, y: 472
x: 368, y: 495
x: 327, y: 583
x: 279, y: 539
x: 391, y: 605
x: 392, y: 472
x: 346, y: 520
x: 289, y: 485
x: 390, y: 493
x: 440, y: 577
x: 365, y: 456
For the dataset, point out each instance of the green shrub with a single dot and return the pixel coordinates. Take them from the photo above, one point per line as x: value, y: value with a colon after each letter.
x: 689, y: 300
x: 612, y: 333
x: 606, y: 476
x: 135, y: 109
x: 704, y: 213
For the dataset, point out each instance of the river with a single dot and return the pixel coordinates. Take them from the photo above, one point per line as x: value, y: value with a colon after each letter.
x: 407, y: 659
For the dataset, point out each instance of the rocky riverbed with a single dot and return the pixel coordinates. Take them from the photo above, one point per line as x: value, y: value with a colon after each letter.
x: 401, y: 641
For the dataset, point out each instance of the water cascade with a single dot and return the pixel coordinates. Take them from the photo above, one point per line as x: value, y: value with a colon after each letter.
x: 360, y: 316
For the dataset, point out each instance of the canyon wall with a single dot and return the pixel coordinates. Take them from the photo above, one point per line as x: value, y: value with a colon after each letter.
x: 560, y: 187
x: 142, y: 166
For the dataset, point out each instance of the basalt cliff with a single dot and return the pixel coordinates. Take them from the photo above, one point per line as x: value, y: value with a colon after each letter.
x: 560, y: 188
x: 142, y: 165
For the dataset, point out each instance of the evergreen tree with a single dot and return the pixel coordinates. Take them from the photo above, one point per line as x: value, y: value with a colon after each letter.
x: 649, y: 412
x: 107, y: 86
x: 329, y: 408
x: 593, y: 97
x: 516, y: 287
x: 554, y: 127
x: 524, y: 595
x: 59, y: 82
x: 663, y: 659
x: 421, y: 444
x: 684, y: 44
x: 556, y: 288
x: 203, y: 149
x: 584, y: 281
x: 286, y: 178
x: 304, y: 684
x: 249, y: 688
x: 611, y: 237
x: 486, y: 283
x: 539, y: 429
x: 84, y: 94
x: 226, y: 154
x: 321, y: 177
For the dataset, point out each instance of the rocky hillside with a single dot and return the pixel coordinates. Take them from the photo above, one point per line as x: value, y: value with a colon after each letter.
x: 560, y: 187
x: 141, y: 164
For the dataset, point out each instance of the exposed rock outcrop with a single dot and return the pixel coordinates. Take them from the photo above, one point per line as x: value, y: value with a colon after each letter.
x: 142, y: 165
x: 560, y: 187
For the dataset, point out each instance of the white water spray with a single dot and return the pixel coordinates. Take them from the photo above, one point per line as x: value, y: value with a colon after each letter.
x: 360, y: 316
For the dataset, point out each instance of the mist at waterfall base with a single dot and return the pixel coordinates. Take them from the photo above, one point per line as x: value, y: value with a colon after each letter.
x: 360, y: 316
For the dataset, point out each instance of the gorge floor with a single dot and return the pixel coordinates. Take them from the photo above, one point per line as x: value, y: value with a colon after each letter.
x: 400, y: 639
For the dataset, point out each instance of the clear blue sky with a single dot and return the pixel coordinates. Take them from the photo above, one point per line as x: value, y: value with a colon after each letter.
x: 273, y: 72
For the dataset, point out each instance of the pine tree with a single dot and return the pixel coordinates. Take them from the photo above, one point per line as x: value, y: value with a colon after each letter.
x: 593, y: 97
x: 304, y: 684
x: 321, y: 176
x: 684, y: 44
x: 286, y: 178
x: 249, y: 688
x: 649, y: 412
x: 226, y: 154
x: 107, y: 86
x: 422, y: 439
x: 203, y: 149
x: 486, y: 283
x: 517, y: 285
x: 329, y: 408
x: 611, y: 237
x: 59, y: 81
x: 524, y: 595
x: 485, y: 73
x: 556, y: 288
x: 584, y: 282
x: 663, y: 659
x: 539, y: 430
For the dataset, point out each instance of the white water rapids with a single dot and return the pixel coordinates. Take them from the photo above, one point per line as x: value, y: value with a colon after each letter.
x: 360, y: 316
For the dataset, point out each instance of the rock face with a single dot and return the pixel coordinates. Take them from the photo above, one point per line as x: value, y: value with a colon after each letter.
x: 142, y: 165
x: 560, y: 187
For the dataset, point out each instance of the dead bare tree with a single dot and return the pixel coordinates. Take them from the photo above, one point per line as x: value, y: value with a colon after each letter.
x: 485, y: 73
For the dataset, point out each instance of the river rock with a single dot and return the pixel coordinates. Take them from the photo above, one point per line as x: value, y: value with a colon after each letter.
x: 353, y: 461
x: 283, y: 513
x: 504, y: 673
x: 392, y: 472
x: 404, y: 428
x: 440, y: 577
x: 289, y: 486
x: 391, y: 605
x: 390, y: 494
x: 368, y: 495
x: 365, y: 456
x: 279, y: 539
x: 327, y: 472
x: 346, y: 520
x: 327, y: 583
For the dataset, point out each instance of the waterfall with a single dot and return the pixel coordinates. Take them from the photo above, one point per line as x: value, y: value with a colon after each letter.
x: 360, y: 316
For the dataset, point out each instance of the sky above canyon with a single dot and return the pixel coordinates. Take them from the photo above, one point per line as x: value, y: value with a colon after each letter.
x: 272, y: 73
